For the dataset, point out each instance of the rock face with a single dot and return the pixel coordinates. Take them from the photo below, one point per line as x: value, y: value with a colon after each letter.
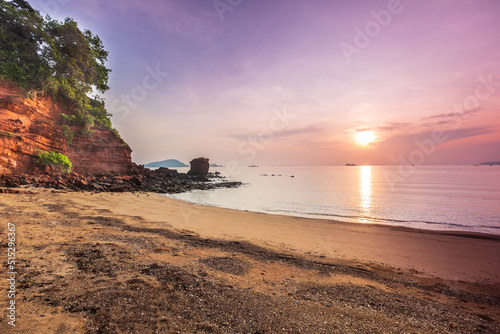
x: 199, y: 166
x: 28, y: 125
x: 102, y: 153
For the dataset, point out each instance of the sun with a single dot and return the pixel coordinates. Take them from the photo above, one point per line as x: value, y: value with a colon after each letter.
x: 365, y: 137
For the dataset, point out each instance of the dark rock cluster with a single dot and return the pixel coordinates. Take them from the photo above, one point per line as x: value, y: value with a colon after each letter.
x: 161, y: 180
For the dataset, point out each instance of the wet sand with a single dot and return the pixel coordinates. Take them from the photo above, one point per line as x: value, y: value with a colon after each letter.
x: 144, y: 263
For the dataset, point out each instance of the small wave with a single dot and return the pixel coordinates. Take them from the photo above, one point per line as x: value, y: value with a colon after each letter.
x: 390, y: 221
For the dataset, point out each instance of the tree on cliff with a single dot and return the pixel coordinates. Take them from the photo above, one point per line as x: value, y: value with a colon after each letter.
x: 45, y: 55
x: 78, y: 60
x: 22, y: 45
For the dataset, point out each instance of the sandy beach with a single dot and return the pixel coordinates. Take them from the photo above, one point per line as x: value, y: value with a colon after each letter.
x: 144, y: 263
x: 137, y: 137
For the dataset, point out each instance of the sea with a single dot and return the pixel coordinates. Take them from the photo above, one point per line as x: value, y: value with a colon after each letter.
x: 449, y: 198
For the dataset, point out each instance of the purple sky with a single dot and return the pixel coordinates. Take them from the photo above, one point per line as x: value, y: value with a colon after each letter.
x: 292, y: 82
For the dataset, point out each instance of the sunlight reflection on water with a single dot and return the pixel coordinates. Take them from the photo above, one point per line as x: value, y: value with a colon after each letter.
x: 432, y: 197
x: 365, y: 192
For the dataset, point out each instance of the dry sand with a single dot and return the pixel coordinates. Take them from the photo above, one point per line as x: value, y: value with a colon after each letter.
x: 453, y: 256
x: 145, y: 263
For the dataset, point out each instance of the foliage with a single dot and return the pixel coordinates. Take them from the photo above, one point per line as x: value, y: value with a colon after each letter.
x: 56, y: 160
x: 68, y: 119
x: 22, y: 40
x: 45, y: 55
x: 98, y: 111
x: 68, y: 133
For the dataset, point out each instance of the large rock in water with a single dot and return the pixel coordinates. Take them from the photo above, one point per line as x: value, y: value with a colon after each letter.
x: 199, y: 166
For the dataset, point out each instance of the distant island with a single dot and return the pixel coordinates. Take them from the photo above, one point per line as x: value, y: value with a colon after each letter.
x: 166, y: 163
x: 490, y: 163
x: 172, y: 163
x: 348, y: 164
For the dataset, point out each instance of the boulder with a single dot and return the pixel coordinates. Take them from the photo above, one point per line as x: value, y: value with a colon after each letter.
x: 82, y: 183
x: 118, y: 188
x: 199, y: 166
x: 165, y: 172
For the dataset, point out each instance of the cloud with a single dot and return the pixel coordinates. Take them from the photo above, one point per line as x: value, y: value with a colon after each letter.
x: 363, y: 129
x: 406, y: 143
x: 394, y: 126
x: 184, y: 19
x: 316, y: 130
x: 457, y: 134
x: 454, y: 115
x: 426, y: 122
x: 255, y: 95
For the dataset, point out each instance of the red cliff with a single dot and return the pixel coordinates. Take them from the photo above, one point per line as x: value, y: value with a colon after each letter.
x: 28, y: 126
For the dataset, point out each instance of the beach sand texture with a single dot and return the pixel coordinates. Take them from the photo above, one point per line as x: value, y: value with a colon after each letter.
x: 145, y: 263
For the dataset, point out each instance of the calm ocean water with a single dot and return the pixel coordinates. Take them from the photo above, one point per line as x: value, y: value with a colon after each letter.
x: 464, y: 198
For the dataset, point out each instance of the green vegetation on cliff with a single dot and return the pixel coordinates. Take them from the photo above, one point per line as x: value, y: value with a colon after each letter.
x: 58, y: 161
x: 45, y: 56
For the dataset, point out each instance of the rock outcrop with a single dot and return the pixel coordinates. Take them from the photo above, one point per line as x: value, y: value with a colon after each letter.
x: 199, y: 166
x: 101, y: 159
x: 161, y: 180
x: 28, y: 126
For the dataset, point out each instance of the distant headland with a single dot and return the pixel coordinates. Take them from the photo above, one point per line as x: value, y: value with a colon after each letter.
x: 166, y: 163
x: 172, y: 163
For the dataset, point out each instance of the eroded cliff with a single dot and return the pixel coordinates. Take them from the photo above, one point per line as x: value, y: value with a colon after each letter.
x: 28, y: 126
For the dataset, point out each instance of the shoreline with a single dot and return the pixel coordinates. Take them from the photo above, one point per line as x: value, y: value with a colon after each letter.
x: 427, y: 252
x: 332, y: 238
x: 457, y: 232
x: 169, y: 265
